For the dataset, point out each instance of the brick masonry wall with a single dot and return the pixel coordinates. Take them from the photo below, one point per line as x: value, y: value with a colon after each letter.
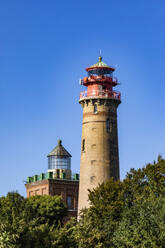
x: 63, y: 188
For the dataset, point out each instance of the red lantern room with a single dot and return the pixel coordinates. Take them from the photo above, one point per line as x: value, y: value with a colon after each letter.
x: 100, y: 82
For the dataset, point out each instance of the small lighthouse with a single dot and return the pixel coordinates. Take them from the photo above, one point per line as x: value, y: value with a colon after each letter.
x: 99, y: 143
x: 59, y: 161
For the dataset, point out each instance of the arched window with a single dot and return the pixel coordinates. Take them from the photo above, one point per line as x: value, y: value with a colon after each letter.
x: 95, y: 108
x: 108, y: 125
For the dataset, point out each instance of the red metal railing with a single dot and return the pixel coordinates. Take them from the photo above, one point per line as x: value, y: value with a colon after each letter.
x: 100, y: 93
x: 99, y: 78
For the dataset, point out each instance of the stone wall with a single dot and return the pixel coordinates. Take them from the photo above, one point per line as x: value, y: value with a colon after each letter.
x: 99, y: 151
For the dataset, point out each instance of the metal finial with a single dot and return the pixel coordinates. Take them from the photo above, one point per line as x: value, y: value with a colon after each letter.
x: 59, y: 142
x: 100, y: 58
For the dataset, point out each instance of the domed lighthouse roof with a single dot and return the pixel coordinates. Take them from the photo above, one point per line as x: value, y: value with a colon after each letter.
x: 59, y: 151
x: 100, y: 65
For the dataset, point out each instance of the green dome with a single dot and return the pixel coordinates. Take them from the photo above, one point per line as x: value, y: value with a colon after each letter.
x: 100, y: 64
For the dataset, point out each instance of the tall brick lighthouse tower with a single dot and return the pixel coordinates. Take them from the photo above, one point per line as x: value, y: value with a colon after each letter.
x: 99, y: 145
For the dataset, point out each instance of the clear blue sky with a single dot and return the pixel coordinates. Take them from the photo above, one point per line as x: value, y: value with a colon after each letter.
x: 44, y: 48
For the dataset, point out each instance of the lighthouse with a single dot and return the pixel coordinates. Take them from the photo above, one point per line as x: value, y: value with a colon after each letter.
x: 99, y: 142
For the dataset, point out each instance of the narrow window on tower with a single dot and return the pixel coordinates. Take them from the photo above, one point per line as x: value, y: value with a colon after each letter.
x: 83, y: 145
x: 95, y: 108
x: 108, y: 125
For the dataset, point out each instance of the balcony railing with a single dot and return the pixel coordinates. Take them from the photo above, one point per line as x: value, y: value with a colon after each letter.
x: 99, y: 78
x: 100, y: 94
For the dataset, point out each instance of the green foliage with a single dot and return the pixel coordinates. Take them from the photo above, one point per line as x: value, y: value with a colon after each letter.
x: 29, y: 223
x: 97, y: 224
x: 7, y: 236
x: 143, y: 219
x: 126, y: 214
x: 11, y: 206
x: 142, y: 225
x: 93, y: 229
x: 65, y: 236
x: 45, y: 209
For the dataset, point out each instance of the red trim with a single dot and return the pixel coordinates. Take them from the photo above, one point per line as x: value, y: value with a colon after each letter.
x: 100, y: 94
x: 99, y: 79
x: 100, y: 67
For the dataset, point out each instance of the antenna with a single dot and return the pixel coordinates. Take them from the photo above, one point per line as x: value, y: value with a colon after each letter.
x: 100, y: 52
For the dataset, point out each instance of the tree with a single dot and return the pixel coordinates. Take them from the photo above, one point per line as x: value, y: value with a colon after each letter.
x: 98, y: 223
x: 7, y: 237
x: 11, y: 207
x: 29, y: 222
x: 125, y: 208
x: 143, y: 219
x: 123, y: 214
x: 64, y: 237
x: 142, y: 225
x: 45, y: 209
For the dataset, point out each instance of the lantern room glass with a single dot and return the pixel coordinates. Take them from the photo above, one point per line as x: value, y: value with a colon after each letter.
x: 56, y: 162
